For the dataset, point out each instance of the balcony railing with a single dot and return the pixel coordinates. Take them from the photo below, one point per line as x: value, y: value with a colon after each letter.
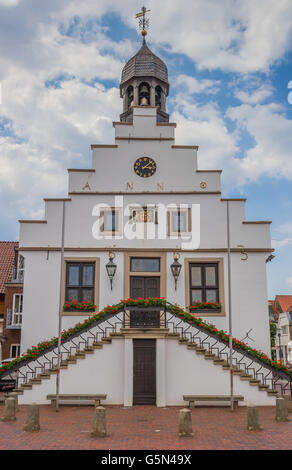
x: 13, y: 320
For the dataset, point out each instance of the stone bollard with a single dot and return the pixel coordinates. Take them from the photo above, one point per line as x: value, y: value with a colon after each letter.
x: 32, y: 422
x: 281, y: 410
x: 99, y: 424
x: 253, y: 423
x: 185, y: 423
x: 289, y: 403
x: 15, y: 396
x: 9, y: 410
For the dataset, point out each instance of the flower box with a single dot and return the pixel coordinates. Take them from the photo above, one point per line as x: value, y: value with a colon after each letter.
x: 75, y: 306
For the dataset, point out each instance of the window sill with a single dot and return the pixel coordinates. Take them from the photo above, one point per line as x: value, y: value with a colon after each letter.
x: 77, y: 313
x: 208, y: 313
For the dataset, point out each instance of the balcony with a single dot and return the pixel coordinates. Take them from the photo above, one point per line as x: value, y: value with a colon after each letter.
x: 13, y: 320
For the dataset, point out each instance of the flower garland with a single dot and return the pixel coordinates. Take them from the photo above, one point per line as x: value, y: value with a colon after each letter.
x: 40, y: 348
x: 204, y: 305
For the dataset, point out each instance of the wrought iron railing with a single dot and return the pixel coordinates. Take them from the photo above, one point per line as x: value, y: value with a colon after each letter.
x: 105, y: 328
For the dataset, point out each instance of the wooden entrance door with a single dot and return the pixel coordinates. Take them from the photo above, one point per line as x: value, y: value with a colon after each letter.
x: 144, y: 286
x: 144, y: 373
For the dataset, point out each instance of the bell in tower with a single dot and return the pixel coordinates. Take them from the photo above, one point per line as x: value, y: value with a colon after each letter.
x: 144, y: 94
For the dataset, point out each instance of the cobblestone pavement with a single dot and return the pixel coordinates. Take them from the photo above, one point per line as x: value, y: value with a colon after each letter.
x: 145, y: 427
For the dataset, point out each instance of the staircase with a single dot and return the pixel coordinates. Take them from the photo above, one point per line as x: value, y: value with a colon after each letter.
x: 195, y: 338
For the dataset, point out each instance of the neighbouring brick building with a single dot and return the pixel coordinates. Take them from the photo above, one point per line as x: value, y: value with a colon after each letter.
x: 11, y: 287
x: 280, y: 311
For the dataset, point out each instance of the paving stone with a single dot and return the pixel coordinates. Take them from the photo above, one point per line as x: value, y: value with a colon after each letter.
x: 214, y: 428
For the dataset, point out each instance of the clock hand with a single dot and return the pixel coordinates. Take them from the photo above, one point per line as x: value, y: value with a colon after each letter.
x: 146, y: 166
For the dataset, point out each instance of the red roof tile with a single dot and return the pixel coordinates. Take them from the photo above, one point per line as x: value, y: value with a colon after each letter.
x: 285, y: 302
x: 7, y: 254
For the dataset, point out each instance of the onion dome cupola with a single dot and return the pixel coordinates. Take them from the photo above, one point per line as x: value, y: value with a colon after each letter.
x: 144, y: 80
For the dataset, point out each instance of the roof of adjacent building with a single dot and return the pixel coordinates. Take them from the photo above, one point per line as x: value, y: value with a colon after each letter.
x: 7, y: 255
x: 284, y: 301
x: 144, y: 64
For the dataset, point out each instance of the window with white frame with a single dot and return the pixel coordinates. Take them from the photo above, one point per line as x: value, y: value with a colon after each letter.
x: 179, y: 221
x: 284, y: 330
x: 17, y: 309
x: 14, y: 350
x: 111, y: 221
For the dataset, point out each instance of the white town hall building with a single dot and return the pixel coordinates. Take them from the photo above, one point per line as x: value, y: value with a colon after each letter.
x: 144, y: 222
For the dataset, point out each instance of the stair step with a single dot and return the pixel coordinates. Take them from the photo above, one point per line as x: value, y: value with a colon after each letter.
x: 19, y: 391
x: 254, y: 382
x: 71, y: 361
x: 35, y: 381
x: 26, y: 386
x: 200, y: 351
x: 264, y: 387
x: 45, y: 376
x: 209, y: 357
x: 218, y: 361
x: 106, y: 340
x: 272, y: 392
x: 191, y: 346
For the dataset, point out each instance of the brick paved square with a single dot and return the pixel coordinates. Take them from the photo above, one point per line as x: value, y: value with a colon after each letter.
x: 146, y: 428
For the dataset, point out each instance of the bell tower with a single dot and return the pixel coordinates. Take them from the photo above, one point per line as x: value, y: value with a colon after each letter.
x: 144, y: 79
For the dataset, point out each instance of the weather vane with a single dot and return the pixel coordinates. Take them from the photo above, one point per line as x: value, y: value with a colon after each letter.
x: 143, y: 22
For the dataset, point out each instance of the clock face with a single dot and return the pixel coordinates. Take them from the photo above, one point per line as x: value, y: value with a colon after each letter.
x: 144, y: 167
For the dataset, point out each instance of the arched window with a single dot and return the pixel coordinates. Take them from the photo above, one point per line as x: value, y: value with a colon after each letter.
x: 144, y: 94
x: 130, y: 97
x: 158, y: 93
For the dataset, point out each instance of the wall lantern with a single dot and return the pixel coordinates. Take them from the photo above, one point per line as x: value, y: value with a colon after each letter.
x: 175, y: 268
x: 111, y: 268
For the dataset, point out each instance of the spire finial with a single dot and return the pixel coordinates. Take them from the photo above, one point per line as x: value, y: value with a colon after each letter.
x: 143, y: 22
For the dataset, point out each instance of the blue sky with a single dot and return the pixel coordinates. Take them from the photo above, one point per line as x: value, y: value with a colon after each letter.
x: 60, y: 66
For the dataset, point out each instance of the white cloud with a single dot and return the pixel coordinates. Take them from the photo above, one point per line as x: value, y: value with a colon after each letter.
x: 256, y: 96
x: 205, y: 126
x: 9, y: 3
x: 280, y: 243
x: 244, y: 36
x: 289, y: 282
x: 50, y: 128
x: 193, y: 85
x: 272, y: 133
